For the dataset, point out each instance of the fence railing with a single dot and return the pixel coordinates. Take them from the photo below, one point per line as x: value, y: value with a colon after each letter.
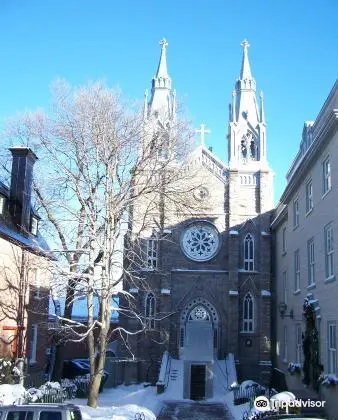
x: 48, y: 396
x: 243, y: 395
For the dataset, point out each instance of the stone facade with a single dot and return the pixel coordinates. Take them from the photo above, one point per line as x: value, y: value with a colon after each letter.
x: 306, y: 211
x: 236, y: 200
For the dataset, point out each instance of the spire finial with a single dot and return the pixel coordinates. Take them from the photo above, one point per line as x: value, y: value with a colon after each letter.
x: 246, y: 71
x: 162, y: 65
x: 164, y: 43
x: 245, y: 44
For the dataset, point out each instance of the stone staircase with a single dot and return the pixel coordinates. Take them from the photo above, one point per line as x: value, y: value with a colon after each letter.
x: 174, y: 390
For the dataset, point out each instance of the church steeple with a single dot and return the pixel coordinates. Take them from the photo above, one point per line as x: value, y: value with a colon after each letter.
x: 250, y: 176
x: 161, y: 104
x: 246, y: 70
x: 162, y: 78
x: 247, y: 122
x: 160, y: 112
x: 246, y: 106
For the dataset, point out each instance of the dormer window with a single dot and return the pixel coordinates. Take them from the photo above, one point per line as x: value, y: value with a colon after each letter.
x: 34, y: 225
x: 2, y: 204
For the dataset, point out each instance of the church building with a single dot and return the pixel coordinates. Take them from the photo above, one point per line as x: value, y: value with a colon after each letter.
x: 204, y: 290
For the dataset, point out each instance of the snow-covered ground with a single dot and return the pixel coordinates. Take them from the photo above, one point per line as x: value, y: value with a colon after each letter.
x: 124, y: 402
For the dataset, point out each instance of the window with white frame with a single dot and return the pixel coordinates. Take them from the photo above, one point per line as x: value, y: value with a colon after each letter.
x: 326, y: 175
x: 309, y: 196
x: 152, y: 253
x: 332, y: 348
x: 295, y: 213
x: 297, y: 270
x: 2, y: 204
x: 329, y: 263
x: 150, y: 304
x: 299, y: 344
x: 285, y: 344
x: 285, y: 286
x: 248, y: 313
x: 33, y: 343
x: 248, y: 253
x: 284, y: 240
x: 311, y: 261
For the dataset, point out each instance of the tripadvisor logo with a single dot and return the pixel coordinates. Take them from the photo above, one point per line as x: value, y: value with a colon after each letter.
x: 263, y: 404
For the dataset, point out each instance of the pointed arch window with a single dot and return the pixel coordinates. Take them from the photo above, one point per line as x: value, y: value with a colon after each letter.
x: 248, y: 313
x: 150, y: 305
x: 152, y: 253
x: 249, y: 258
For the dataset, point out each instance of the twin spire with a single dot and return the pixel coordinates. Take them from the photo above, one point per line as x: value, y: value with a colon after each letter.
x: 163, y: 99
x: 244, y: 103
x: 162, y: 103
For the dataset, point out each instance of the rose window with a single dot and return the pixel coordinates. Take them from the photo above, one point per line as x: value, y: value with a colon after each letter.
x: 199, y: 314
x: 200, y: 242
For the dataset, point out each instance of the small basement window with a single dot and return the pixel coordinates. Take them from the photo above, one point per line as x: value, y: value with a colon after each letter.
x: 34, y: 226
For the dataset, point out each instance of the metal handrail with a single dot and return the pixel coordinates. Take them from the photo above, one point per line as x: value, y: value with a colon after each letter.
x: 167, y: 373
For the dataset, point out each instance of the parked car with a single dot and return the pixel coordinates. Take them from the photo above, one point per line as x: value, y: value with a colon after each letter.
x: 40, y: 412
x: 80, y: 367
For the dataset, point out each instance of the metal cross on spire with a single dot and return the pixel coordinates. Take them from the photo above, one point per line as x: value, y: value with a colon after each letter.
x: 164, y: 43
x: 245, y: 44
x: 203, y: 132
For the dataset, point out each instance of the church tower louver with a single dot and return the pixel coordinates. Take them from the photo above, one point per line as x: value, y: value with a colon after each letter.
x: 204, y: 290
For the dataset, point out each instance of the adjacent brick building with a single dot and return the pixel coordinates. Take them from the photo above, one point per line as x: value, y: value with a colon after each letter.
x: 24, y: 271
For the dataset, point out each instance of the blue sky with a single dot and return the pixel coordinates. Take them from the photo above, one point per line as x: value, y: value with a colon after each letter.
x: 293, y: 55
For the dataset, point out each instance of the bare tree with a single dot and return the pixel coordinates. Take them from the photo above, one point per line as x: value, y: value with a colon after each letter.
x: 101, y: 164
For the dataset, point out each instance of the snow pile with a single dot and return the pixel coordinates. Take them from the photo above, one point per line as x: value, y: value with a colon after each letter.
x: 33, y: 395
x: 328, y: 380
x: 11, y: 394
x: 123, y: 403
x: 283, y: 396
x: 8, y: 371
x: 51, y: 389
x: 294, y: 368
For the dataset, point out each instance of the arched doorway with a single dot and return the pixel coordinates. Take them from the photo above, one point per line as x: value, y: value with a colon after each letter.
x: 199, y: 331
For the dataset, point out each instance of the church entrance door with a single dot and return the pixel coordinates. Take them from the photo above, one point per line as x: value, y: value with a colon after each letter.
x: 197, y: 382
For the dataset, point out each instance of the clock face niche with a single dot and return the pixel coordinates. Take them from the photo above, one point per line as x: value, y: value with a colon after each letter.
x: 200, y: 241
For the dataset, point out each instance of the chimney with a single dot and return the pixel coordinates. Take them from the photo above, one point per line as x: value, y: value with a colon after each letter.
x: 21, y: 186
